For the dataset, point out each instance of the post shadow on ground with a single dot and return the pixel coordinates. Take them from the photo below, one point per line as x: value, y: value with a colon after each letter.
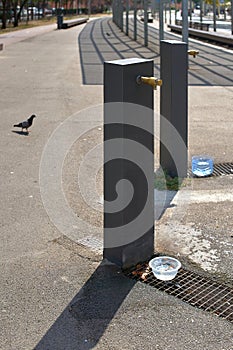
x: 85, y: 319
x: 102, y: 41
x: 166, y: 188
x: 163, y: 201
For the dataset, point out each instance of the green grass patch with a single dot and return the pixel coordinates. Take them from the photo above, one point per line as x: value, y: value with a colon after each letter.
x: 163, y: 181
x: 28, y: 24
x: 36, y: 23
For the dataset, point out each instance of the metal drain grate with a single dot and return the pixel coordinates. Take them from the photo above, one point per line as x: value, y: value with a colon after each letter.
x: 223, y: 169
x: 219, y: 170
x: 192, y: 288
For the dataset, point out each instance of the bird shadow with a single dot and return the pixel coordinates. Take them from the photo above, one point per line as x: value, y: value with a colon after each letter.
x: 23, y: 133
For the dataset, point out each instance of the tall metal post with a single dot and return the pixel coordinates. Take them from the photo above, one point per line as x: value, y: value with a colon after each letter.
x: 232, y: 17
x: 185, y: 30
x: 135, y: 20
x: 165, y: 13
x: 175, y: 11
x: 145, y: 23
x: 128, y: 162
x: 170, y: 14
x: 117, y: 12
x: 127, y: 17
x: 201, y: 11
x: 161, y: 24
x: 214, y: 14
x: 174, y: 107
x: 121, y: 13
x: 191, y: 8
x: 113, y: 11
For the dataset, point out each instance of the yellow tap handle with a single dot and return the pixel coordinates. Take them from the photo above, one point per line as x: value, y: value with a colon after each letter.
x: 152, y: 81
x: 193, y: 53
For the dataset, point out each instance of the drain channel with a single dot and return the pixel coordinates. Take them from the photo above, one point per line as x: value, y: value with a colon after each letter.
x: 219, y: 170
x: 223, y: 169
x: 192, y: 288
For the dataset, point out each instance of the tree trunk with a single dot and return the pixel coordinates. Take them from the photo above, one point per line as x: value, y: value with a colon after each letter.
x: 16, y: 22
x: 4, y: 16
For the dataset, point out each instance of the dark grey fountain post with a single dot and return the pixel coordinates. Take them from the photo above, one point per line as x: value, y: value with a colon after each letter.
x: 174, y: 108
x: 128, y: 162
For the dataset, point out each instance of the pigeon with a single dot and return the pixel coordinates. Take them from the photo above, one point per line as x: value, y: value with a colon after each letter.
x: 26, y: 124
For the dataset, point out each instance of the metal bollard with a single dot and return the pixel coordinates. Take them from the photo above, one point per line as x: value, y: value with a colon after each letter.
x: 128, y: 162
x: 127, y: 18
x: 135, y: 20
x: 145, y: 7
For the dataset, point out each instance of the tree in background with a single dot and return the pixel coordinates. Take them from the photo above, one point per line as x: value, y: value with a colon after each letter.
x: 5, y: 14
x: 17, y: 10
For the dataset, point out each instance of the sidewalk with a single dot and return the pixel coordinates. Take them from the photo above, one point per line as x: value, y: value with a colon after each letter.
x: 56, y: 292
x: 20, y: 35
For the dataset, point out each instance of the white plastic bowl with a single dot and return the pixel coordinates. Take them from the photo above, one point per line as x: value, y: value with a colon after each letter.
x: 164, y: 268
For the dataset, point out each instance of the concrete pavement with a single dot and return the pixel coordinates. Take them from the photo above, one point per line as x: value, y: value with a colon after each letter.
x: 55, y: 290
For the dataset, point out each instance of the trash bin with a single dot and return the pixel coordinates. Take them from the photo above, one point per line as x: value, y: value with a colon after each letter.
x: 59, y: 21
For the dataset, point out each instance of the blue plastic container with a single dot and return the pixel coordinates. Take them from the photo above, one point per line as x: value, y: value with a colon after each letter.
x: 202, y: 166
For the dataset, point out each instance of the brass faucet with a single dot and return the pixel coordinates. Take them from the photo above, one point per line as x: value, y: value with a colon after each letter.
x: 152, y: 81
x: 193, y: 53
